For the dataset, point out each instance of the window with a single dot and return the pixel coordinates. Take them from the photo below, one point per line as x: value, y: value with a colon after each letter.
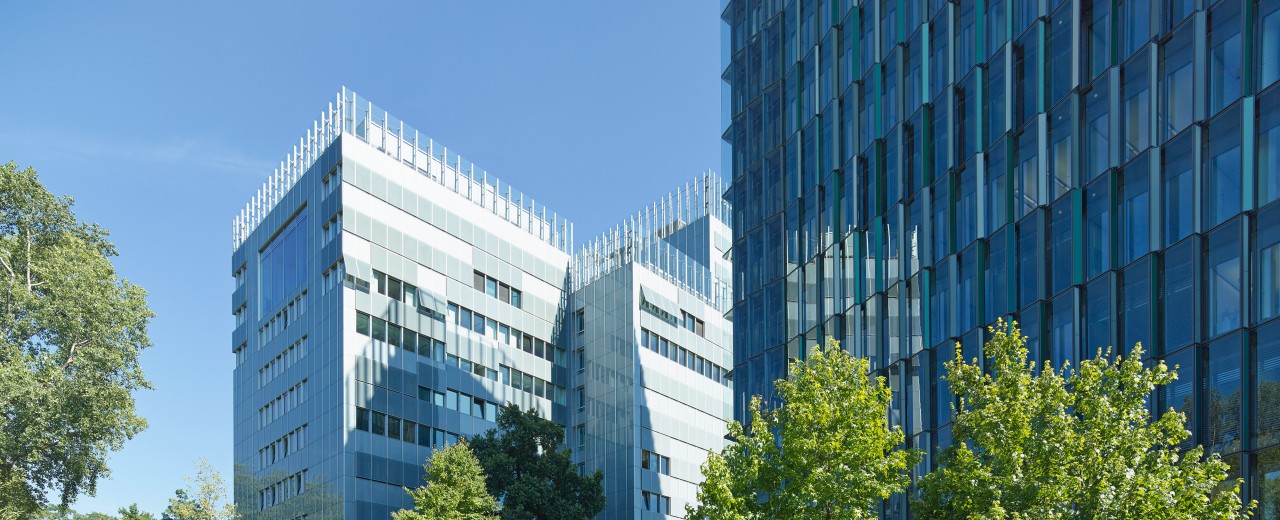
x: 1268, y: 142
x: 1134, y: 23
x: 362, y: 419
x: 1266, y: 483
x: 393, y: 427
x: 1267, y: 277
x: 1179, y: 187
x: 1062, y: 331
x: 1177, y: 82
x: 1223, y: 181
x: 1096, y: 322
x: 379, y: 423
x: 1178, y: 294
x: 580, y: 321
x: 1226, y: 278
x: 1097, y: 131
x: 1268, y: 42
x: 1179, y: 394
x: 1095, y: 17
x: 1135, y: 88
x: 1266, y: 386
x: 1059, y: 50
x: 491, y: 287
x: 1225, y: 55
x: 1029, y: 258
x: 1026, y: 71
x: 1134, y: 211
x: 1027, y: 174
x: 1224, y: 400
x: 996, y: 205
x: 1061, y: 250
x: 1097, y: 225
x: 1135, y: 299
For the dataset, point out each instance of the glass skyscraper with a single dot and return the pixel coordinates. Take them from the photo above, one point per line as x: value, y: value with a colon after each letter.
x: 905, y: 172
x: 390, y: 297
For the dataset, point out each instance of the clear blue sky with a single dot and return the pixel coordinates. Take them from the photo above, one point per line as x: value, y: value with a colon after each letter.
x: 162, y: 119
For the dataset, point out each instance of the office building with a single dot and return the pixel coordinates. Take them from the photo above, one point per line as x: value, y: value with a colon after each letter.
x: 647, y: 323
x: 390, y: 297
x: 905, y: 172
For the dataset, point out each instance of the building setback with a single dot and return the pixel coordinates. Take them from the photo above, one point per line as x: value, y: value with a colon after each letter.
x: 389, y: 299
x: 906, y: 172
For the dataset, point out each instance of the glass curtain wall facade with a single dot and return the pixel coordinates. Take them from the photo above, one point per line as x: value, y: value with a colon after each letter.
x: 904, y: 172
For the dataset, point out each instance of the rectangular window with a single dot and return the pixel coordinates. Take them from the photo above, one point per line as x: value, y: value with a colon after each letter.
x: 1267, y: 277
x: 1027, y: 82
x: 1226, y: 278
x: 379, y: 329
x: 1097, y: 132
x: 1268, y: 142
x: 1061, y: 250
x: 1136, y: 293
x: 379, y: 423
x: 1266, y: 386
x: 1027, y: 175
x: 1029, y: 259
x: 1180, y: 393
x: 1134, y: 216
x: 1097, y: 226
x: 580, y: 320
x: 477, y: 280
x: 491, y: 287
x: 393, y: 427
x: 1096, y: 324
x: 362, y: 323
x: 1134, y: 24
x: 1062, y: 332
x: 1225, y: 55
x: 362, y: 419
x: 1178, y: 294
x: 1225, y: 395
x: 1095, y: 19
x: 1268, y: 43
x: 1135, y: 89
x: 1178, y: 157
x: 1223, y: 178
x: 1177, y: 82
x: 1060, y: 49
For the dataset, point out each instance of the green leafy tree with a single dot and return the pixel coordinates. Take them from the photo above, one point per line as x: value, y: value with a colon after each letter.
x: 94, y: 516
x: 70, y: 335
x: 826, y: 451
x: 1059, y: 444
x: 455, y: 489
x: 529, y: 473
x: 205, y: 497
x: 134, y: 513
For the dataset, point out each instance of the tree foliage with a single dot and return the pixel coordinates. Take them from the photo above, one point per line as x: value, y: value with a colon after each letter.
x: 205, y: 497
x: 455, y: 489
x: 1062, y: 444
x: 134, y: 513
x: 70, y: 335
x: 529, y: 473
x: 825, y: 452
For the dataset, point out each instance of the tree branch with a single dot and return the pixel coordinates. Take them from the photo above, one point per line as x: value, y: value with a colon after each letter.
x: 7, y: 268
x: 71, y: 355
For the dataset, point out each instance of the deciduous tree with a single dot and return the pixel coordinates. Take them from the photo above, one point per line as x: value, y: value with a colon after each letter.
x: 205, y: 497
x: 71, y: 331
x: 1063, y: 444
x: 529, y: 473
x: 455, y: 489
x: 825, y: 451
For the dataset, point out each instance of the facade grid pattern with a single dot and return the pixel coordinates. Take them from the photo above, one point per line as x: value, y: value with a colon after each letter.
x: 905, y: 172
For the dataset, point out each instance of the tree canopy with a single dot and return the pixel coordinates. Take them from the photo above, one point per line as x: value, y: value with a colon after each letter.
x: 205, y: 497
x: 454, y: 490
x: 1063, y: 444
x: 71, y: 332
x: 826, y: 451
x: 529, y: 473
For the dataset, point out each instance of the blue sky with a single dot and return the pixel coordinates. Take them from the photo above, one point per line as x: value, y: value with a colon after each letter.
x: 163, y: 119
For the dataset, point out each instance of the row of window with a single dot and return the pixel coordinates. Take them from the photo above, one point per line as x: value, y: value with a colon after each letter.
x: 280, y: 448
x: 288, y: 315
x: 242, y: 354
x: 670, y: 350
x: 379, y: 423
x: 656, y: 503
x: 331, y: 230
x: 288, y: 487
x: 291, y: 354
x: 404, y: 292
x: 460, y: 401
x: 653, y: 461
x: 693, y: 323
x: 532, y: 384
x: 492, y: 287
x: 240, y: 313
x: 466, y: 319
x: 330, y: 182
x: 281, y: 405
x: 396, y: 335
